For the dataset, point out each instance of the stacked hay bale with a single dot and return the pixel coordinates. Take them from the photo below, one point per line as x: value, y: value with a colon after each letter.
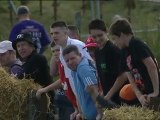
x: 13, y: 94
x: 131, y: 113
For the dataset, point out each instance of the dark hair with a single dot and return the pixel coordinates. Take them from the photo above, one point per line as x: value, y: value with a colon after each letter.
x: 59, y: 24
x: 120, y: 26
x: 69, y: 49
x: 97, y: 24
x: 73, y: 28
x: 22, y: 10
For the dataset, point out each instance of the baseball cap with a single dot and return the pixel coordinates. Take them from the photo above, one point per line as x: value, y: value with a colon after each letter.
x: 127, y: 93
x: 23, y: 37
x: 22, y: 10
x: 5, y: 46
x: 90, y: 42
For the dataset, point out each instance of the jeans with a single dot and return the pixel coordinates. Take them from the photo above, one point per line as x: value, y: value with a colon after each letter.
x: 63, y: 106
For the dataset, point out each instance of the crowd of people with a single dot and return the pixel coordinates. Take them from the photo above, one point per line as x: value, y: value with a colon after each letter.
x: 112, y: 67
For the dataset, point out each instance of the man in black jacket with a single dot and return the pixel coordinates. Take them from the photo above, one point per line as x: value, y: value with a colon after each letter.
x: 35, y: 65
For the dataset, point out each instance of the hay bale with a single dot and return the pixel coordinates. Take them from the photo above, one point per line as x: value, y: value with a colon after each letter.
x: 131, y: 113
x: 13, y: 94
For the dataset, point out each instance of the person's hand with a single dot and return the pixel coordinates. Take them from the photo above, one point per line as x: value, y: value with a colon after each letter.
x: 151, y: 95
x: 73, y: 115
x: 106, y: 97
x: 79, y: 116
x: 14, y: 75
x: 106, y: 103
x: 99, y: 116
x: 143, y: 99
x: 40, y: 92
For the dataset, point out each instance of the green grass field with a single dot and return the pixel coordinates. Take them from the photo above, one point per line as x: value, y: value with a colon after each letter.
x: 144, y: 17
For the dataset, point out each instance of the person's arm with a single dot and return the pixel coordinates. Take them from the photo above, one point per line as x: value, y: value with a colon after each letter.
x: 145, y: 55
x: 14, y: 32
x: 133, y: 84
x: 93, y: 91
x: 99, y: 101
x: 53, y: 86
x: 153, y: 73
x: 45, y: 40
x: 142, y: 98
x: 117, y: 85
x: 79, y: 115
x: 87, y: 75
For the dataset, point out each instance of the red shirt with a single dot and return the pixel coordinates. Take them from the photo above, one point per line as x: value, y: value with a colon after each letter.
x: 66, y: 85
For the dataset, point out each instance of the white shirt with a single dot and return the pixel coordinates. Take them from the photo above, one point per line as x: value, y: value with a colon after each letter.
x: 84, y: 53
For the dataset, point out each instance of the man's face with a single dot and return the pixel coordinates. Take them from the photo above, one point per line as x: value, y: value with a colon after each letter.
x: 24, y: 49
x: 56, y: 51
x: 99, y: 36
x: 58, y: 35
x: 72, y: 60
x: 5, y: 58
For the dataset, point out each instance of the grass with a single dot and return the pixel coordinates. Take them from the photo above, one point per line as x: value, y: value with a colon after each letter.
x: 144, y: 16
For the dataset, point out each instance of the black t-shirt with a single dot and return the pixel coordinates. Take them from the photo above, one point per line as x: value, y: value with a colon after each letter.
x: 107, y: 63
x: 133, y: 57
x: 36, y: 67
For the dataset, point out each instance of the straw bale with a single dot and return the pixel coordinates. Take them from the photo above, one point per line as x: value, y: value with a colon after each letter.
x: 13, y: 94
x: 131, y: 113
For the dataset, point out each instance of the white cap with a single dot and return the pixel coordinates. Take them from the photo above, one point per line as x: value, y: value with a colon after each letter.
x: 5, y: 46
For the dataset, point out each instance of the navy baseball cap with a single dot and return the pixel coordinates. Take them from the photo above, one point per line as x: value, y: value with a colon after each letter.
x: 23, y: 37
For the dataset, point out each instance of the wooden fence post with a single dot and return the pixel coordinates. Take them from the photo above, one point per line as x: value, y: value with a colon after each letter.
x: 40, y: 6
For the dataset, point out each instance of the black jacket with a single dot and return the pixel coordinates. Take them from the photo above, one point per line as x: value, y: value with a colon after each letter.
x: 36, y: 68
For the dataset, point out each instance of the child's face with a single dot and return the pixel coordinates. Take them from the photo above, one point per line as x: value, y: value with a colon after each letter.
x: 99, y: 37
x: 56, y: 51
x: 119, y: 40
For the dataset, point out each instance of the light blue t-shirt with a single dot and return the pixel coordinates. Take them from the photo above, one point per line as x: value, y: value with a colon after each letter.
x: 85, y: 75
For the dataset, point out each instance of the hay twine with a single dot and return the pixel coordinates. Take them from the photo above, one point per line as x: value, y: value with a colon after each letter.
x: 13, y: 94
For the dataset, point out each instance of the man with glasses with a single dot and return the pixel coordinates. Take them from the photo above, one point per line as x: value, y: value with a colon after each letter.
x: 107, y: 57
